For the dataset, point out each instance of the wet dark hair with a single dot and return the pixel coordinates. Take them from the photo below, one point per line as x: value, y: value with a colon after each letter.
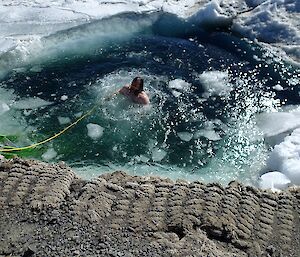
x: 140, y: 81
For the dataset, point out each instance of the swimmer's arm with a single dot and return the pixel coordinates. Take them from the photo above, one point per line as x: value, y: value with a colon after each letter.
x: 124, y: 90
x: 120, y: 91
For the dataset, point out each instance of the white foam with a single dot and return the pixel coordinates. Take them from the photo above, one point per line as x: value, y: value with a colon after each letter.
x: 274, y: 180
x: 63, y: 120
x: 49, y: 154
x: 185, y: 136
x: 95, y: 131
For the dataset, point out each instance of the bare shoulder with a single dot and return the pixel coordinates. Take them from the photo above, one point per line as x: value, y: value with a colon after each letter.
x: 143, y: 98
x: 124, y: 90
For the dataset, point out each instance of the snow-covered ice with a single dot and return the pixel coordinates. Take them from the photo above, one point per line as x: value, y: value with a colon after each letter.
x: 27, y: 27
x: 284, y: 130
x: 274, y: 180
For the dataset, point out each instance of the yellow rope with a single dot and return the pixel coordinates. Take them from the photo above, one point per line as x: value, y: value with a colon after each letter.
x: 13, y: 149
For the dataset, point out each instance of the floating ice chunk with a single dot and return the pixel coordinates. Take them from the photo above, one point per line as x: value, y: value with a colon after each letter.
x: 49, y: 154
x: 144, y: 158
x: 176, y: 93
x: 209, y: 134
x: 185, y: 136
x: 179, y: 84
x: 278, y: 87
x: 64, y: 97
x: 95, y: 131
x: 78, y: 114
x: 215, y: 83
x: 27, y: 112
x: 158, y: 154
x: 274, y: 180
x: 63, y: 120
x: 141, y: 158
x: 3, y: 107
x: 31, y: 103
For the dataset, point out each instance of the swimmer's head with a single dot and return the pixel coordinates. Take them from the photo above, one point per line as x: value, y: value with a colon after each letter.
x: 137, y: 85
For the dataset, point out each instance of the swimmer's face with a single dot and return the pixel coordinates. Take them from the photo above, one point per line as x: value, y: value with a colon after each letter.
x: 135, y: 86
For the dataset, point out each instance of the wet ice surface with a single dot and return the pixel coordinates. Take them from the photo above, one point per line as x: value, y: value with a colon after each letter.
x: 206, y: 90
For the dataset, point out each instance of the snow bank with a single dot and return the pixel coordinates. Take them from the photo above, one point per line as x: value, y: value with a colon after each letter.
x: 3, y: 107
x: 28, y: 28
x: 283, y: 130
x: 272, y: 21
x: 274, y: 181
x: 285, y: 157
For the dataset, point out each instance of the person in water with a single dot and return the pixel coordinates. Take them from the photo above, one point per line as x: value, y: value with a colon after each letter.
x: 135, y: 91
